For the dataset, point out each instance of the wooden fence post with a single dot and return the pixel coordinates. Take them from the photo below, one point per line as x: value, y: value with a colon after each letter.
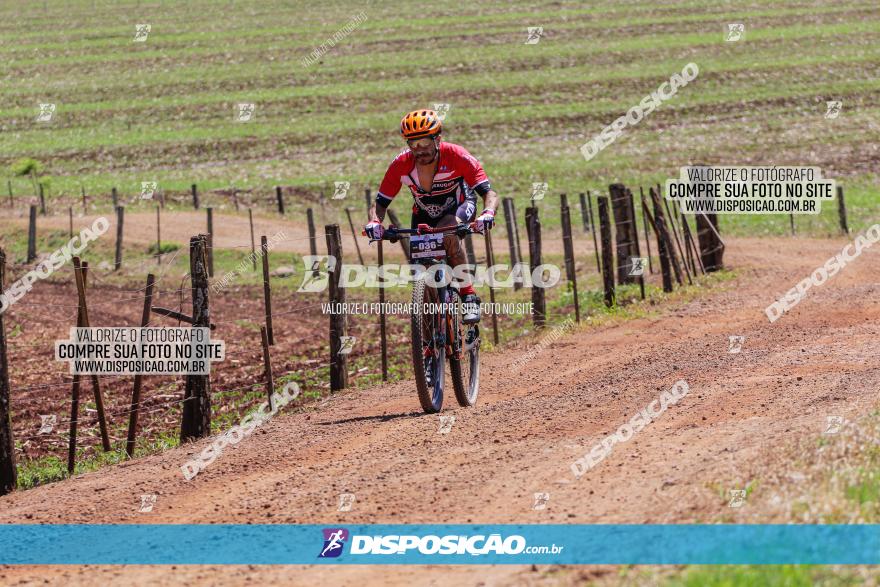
x: 235, y: 198
x: 490, y: 261
x: 593, y: 231
x: 469, y: 250
x: 210, y: 212
x: 158, y: 237
x: 383, y: 332
x: 267, y: 367
x: 338, y: 320
x: 253, y: 246
x: 568, y: 247
x: 625, y: 231
x: 114, y: 195
x: 607, y: 256
x: 267, y: 292
x: 368, y: 200
x: 313, y: 245
x: 711, y: 245
x: 513, y: 240
x: 632, y: 213
x: 662, y: 250
x: 77, y: 379
x: 120, y: 219
x: 645, y: 226
x: 195, y: 196
x: 662, y: 227
x: 692, y: 247
x: 8, y: 471
x: 83, y: 322
x: 11, y: 197
x: 82, y: 189
x: 404, y: 241
x: 533, y: 229
x: 279, y: 195
x: 585, y: 218
x: 42, y: 201
x: 354, y: 235
x: 671, y: 217
x: 841, y: 211
x: 139, y: 378
x: 32, y: 235
x: 70, y: 219
x: 195, y: 421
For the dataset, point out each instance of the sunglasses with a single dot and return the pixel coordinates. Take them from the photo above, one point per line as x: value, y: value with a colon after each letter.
x: 420, y: 143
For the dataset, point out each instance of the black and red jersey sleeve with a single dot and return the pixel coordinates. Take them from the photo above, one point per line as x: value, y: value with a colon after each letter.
x: 471, y: 170
x: 392, y: 182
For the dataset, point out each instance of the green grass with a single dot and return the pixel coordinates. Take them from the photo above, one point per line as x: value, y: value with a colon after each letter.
x: 50, y: 468
x: 769, y: 576
x: 524, y: 110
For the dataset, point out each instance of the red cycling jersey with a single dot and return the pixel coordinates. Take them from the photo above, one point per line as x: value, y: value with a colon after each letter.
x: 458, y: 179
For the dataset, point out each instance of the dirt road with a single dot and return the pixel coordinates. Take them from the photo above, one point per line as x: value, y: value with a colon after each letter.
x: 529, y: 426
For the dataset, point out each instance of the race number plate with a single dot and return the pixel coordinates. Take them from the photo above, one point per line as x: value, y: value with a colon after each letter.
x: 426, y: 246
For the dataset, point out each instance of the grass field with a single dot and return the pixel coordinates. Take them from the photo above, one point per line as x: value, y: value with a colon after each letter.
x: 163, y: 110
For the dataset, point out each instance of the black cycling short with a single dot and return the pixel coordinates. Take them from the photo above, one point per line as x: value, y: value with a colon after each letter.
x: 465, y: 212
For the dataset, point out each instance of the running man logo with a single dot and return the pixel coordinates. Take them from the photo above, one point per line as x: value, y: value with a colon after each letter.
x: 637, y: 266
x: 46, y: 112
x: 47, y: 423
x: 735, y: 344
x: 541, y: 500
x: 346, y: 500
x: 340, y: 189
x: 334, y: 541
x: 834, y: 425
x: 316, y: 279
x: 442, y: 110
x: 539, y: 189
x: 446, y: 423
x: 148, y: 188
x: 735, y: 32
x: 245, y: 112
x: 346, y: 344
x: 737, y: 498
x: 535, y: 34
x: 141, y: 32
x: 833, y: 109
x: 147, y: 503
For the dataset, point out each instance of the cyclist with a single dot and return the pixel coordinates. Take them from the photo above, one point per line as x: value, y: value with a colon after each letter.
x: 444, y: 180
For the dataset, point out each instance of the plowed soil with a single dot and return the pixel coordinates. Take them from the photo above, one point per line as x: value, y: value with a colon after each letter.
x: 527, y: 429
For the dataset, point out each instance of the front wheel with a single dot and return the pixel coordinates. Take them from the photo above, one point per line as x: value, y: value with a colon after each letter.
x: 464, y: 363
x: 428, y: 352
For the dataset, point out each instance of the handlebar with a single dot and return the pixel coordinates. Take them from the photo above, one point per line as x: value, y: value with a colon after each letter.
x: 392, y: 233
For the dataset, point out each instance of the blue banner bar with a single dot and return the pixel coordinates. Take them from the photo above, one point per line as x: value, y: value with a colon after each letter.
x: 28, y: 544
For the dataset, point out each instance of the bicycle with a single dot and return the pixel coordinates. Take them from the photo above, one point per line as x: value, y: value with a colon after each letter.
x: 438, y: 332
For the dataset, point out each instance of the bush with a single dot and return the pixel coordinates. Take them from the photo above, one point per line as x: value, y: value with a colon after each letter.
x: 26, y: 166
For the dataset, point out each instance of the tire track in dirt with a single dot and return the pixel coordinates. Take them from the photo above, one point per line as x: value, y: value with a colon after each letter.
x: 818, y: 360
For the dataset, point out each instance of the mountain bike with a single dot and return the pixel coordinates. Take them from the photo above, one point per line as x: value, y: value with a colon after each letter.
x: 438, y: 332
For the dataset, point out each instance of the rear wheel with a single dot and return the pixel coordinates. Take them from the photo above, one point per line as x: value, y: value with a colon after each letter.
x: 428, y: 356
x: 464, y: 363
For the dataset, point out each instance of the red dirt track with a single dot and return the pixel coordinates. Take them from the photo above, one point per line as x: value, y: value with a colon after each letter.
x: 527, y: 429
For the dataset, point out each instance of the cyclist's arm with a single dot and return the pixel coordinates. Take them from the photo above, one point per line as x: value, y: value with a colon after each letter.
x: 377, y: 212
x: 490, y: 200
